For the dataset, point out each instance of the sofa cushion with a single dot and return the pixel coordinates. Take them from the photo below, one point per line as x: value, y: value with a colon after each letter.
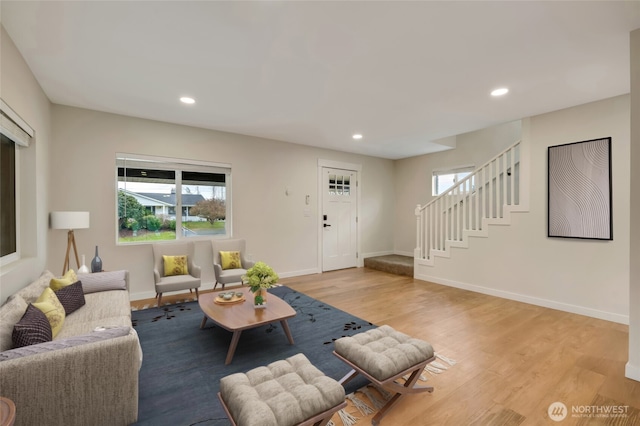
x: 71, y: 297
x: 103, y: 281
x: 33, y: 328
x: 68, y: 278
x: 102, y: 309
x: 10, y: 313
x: 49, y: 304
x: 31, y: 292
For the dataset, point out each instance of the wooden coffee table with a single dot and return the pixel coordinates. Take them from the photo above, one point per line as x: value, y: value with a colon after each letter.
x: 243, y: 316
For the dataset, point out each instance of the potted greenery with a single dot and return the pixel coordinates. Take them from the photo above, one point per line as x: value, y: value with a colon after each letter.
x: 259, y: 278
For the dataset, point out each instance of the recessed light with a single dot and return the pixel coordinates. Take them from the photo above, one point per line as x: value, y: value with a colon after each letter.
x: 500, y: 92
x: 187, y: 100
x: 357, y: 136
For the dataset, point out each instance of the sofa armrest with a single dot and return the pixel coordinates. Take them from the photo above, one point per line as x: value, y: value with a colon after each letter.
x: 94, y: 383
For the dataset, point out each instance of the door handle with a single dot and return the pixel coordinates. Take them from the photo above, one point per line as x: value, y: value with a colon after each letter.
x: 325, y: 225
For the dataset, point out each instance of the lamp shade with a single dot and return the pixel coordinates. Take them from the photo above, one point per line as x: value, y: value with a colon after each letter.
x: 69, y: 220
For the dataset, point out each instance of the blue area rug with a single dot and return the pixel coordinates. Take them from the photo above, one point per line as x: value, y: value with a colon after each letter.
x: 183, y: 364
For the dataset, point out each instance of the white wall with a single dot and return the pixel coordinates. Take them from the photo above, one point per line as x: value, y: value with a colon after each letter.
x: 20, y: 90
x: 413, y: 175
x: 82, y: 177
x: 633, y: 366
x: 521, y: 262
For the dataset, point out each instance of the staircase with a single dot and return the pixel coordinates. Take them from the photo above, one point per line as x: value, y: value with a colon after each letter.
x: 486, y: 197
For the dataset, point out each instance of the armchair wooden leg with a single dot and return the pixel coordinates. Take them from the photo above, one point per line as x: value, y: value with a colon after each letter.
x: 159, y: 299
x: 197, y: 295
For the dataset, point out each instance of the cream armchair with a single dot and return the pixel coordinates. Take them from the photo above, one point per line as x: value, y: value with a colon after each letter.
x: 228, y: 276
x: 166, y: 283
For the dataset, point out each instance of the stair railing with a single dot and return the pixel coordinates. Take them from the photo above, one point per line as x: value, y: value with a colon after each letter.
x: 466, y: 206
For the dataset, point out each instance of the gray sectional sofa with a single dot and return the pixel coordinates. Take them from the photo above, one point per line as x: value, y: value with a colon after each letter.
x: 88, y: 374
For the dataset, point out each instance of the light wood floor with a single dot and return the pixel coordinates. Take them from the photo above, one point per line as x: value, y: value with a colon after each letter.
x: 513, y: 359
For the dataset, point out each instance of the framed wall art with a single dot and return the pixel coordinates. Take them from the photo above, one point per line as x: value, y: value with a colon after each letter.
x: 580, y: 190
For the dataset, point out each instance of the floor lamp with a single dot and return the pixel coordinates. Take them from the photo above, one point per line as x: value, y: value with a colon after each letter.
x: 70, y: 221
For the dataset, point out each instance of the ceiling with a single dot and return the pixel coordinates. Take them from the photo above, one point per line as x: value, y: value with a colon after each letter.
x: 404, y: 74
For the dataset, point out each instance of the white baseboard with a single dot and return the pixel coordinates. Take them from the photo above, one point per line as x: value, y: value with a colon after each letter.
x: 299, y: 273
x: 566, y: 307
x: 152, y: 294
x: 632, y: 372
x: 404, y: 253
x: 209, y: 286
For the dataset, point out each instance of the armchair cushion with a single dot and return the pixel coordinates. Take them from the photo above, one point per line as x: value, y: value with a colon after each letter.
x: 177, y: 283
x: 175, y: 265
x: 230, y: 260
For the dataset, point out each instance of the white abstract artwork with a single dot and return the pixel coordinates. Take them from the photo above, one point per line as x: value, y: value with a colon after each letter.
x: 579, y: 188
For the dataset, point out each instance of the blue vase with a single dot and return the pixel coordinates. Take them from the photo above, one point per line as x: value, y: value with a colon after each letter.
x: 96, y: 263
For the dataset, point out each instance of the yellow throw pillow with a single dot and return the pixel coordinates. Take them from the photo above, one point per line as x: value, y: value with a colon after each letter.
x: 49, y: 304
x: 175, y: 265
x: 230, y: 260
x: 67, y: 279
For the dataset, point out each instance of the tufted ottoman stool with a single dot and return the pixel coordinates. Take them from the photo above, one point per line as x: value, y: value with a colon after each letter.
x: 384, y: 355
x: 284, y: 393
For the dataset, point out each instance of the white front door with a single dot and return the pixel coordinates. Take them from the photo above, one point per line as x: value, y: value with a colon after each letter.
x: 339, y: 219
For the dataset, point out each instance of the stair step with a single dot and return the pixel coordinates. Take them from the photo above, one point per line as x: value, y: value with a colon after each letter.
x: 392, y: 263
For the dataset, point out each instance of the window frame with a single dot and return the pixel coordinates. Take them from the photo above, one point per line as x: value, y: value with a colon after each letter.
x: 437, y: 173
x: 15, y: 256
x: 20, y: 133
x: 178, y: 165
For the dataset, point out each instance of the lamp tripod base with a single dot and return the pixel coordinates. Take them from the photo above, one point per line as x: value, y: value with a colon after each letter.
x: 71, y: 242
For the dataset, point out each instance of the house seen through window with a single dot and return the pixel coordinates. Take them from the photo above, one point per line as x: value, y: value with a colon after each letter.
x: 165, y: 199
